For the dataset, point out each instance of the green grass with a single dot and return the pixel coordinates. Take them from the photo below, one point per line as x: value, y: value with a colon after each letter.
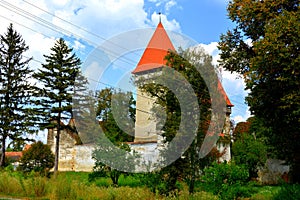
x: 75, y: 185
x: 265, y: 192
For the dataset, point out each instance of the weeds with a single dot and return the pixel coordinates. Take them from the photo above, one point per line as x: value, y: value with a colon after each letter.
x: 75, y: 186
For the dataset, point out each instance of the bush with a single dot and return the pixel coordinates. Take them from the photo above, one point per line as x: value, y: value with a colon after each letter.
x: 226, y: 180
x: 288, y: 192
x: 38, y: 158
x: 250, y: 152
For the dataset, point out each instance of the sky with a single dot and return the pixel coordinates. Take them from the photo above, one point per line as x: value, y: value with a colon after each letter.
x: 88, y: 24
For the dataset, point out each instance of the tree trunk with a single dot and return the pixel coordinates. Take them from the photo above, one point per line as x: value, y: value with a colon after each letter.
x: 2, y: 160
x: 193, y: 169
x: 57, y: 142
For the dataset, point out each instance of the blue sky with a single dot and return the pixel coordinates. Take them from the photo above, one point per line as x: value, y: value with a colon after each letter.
x: 202, y: 20
x: 87, y: 24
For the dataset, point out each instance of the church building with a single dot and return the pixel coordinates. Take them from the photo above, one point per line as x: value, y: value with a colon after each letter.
x: 74, y: 156
x: 151, y: 62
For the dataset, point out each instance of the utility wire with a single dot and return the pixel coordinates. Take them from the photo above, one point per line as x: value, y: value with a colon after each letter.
x: 53, y: 27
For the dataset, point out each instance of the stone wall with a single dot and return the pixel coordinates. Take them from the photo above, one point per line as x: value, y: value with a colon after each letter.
x: 274, y: 171
x: 72, y: 157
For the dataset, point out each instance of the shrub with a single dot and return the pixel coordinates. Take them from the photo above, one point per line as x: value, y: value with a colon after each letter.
x: 226, y: 180
x: 250, y: 152
x: 161, y: 182
x: 38, y: 158
x: 288, y: 192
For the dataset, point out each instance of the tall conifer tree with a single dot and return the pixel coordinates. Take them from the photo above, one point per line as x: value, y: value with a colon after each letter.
x: 58, y: 76
x: 16, y: 115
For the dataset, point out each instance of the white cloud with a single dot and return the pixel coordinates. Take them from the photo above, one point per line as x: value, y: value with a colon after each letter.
x: 242, y: 118
x: 169, y: 5
x: 60, y: 3
x: 233, y: 84
x: 78, y: 45
x: 102, y: 19
x: 212, y: 50
x: 171, y: 25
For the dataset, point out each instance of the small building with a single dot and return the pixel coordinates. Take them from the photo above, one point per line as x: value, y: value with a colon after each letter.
x: 15, y: 156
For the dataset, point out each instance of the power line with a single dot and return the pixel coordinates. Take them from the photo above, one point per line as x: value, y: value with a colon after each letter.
x: 127, y: 60
x: 55, y: 28
x: 100, y: 58
x: 78, y: 27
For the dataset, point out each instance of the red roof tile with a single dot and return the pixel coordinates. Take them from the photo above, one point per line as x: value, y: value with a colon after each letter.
x: 14, y: 155
x: 156, y: 50
x: 221, y: 89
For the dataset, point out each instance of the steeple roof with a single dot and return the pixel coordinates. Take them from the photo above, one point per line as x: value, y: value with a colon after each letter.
x: 155, y: 52
x: 221, y: 89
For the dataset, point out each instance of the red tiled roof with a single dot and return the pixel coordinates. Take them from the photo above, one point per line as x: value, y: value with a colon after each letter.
x: 155, y: 52
x: 221, y: 89
x: 27, y: 146
x: 14, y: 155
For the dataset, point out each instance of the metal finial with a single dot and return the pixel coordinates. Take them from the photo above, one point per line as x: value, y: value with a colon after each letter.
x: 159, y: 17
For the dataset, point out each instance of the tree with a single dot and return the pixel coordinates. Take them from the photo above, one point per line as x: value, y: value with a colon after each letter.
x: 249, y: 152
x: 270, y: 66
x: 16, y: 145
x: 58, y: 76
x: 38, y: 158
x: 16, y: 115
x: 240, y: 128
x: 190, y: 163
x: 117, y: 133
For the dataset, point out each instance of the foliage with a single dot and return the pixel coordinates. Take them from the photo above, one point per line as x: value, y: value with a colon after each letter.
x: 264, y: 48
x: 57, y: 77
x: 116, y: 132
x: 103, y: 170
x: 162, y: 182
x: 16, y: 145
x: 75, y: 185
x: 115, y: 125
x: 250, y: 152
x: 250, y: 147
x: 226, y: 180
x: 288, y: 192
x: 38, y: 158
x: 186, y: 64
x: 16, y: 115
x: 240, y: 128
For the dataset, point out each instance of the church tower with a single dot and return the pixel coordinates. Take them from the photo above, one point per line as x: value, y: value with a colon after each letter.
x: 151, y: 62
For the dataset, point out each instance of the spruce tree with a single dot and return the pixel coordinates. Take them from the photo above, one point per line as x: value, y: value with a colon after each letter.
x: 16, y: 115
x: 58, y: 76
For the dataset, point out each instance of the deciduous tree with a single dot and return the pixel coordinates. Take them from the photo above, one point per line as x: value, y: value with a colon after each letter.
x: 116, y: 132
x: 264, y: 48
x: 38, y: 157
x: 190, y: 163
